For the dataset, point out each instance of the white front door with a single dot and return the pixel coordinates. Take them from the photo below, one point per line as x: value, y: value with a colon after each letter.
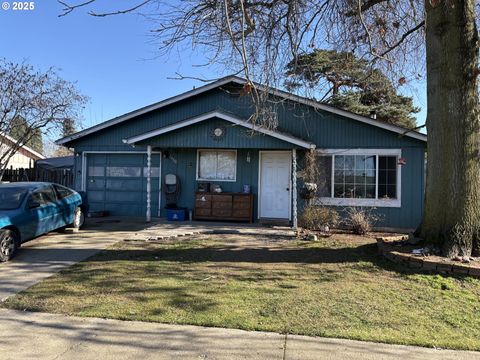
x: 275, y: 184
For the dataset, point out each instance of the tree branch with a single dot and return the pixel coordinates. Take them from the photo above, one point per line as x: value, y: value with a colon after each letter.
x: 404, y: 36
x: 413, y: 129
x: 120, y: 12
x: 69, y: 8
x: 373, y: 51
x: 364, y: 7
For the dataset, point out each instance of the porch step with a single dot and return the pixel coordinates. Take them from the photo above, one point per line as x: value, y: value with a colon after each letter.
x: 274, y: 222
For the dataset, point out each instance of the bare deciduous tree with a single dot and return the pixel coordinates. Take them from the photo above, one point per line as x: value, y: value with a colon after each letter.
x: 258, y: 38
x: 405, y: 37
x: 41, y: 99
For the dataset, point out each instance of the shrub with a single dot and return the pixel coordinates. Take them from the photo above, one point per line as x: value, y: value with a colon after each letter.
x: 360, y: 221
x: 317, y: 217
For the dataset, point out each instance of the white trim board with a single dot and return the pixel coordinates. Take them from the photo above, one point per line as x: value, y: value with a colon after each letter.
x: 238, y: 80
x: 224, y: 116
x: 360, y: 151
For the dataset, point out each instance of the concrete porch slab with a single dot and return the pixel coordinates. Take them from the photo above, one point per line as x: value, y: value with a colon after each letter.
x: 160, y: 228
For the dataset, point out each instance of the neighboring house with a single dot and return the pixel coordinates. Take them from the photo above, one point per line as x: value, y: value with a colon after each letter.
x: 24, y: 158
x: 204, y: 135
x: 56, y: 163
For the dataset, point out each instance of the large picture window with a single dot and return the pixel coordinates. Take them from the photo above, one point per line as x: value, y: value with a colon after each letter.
x: 216, y: 165
x: 354, y: 176
x: 359, y: 177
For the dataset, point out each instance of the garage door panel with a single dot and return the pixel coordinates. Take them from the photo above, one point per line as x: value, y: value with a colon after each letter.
x: 96, y: 184
x: 154, y: 184
x: 96, y: 196
x: 126, y: 159
x: 119, y: 197
x: 97, y: 170
x: 93, y: 206
x: 117, y: 183
x: 155, y: 171
x: 123, y: 171
x: 124, y: 184
x: 97, y: 159
x: 124, y: 209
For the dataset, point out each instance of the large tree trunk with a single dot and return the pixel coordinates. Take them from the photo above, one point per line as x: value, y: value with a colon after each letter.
x: 452, y: 198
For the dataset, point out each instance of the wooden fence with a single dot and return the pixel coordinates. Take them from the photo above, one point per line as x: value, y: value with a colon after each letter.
x: 60, y: 176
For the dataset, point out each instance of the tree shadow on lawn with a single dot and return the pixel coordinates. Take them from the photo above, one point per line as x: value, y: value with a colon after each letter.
x: 233, y: 254
x: 363, y: 257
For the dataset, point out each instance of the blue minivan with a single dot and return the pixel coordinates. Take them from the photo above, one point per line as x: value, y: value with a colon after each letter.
x: 31, y: 209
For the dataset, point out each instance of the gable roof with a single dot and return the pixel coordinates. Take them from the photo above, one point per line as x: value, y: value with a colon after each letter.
x: 224, y: 116
x: 237, y: 80
x: 33, y: 154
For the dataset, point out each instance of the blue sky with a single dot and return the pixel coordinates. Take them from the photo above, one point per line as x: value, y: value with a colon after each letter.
x: 112, y: 59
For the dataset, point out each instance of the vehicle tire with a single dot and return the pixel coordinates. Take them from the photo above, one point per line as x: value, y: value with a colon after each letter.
x: 8, y: 244
x: 78, y: 218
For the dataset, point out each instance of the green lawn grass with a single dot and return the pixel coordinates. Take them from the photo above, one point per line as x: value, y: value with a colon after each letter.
x: 337, y: 287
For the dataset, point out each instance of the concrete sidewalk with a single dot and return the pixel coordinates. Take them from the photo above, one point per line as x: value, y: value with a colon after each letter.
x: 25, y: 335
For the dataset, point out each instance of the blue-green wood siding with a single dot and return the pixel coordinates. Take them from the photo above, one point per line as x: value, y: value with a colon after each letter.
x: 200, y: 136
x: 183, y: 164
x: 409, y: 215
x: 324, y: 129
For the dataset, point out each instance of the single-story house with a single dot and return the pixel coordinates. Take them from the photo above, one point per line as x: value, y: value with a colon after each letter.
x: 24, y: 157
x: 205, y: 136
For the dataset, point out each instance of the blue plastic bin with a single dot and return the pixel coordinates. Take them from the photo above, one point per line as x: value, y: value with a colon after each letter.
x: 176, y: 214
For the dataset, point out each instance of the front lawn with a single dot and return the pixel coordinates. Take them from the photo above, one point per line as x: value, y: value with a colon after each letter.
x: 337, y: 287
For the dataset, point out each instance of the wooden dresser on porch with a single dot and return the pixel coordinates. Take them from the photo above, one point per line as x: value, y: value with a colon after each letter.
x: 223, y: 206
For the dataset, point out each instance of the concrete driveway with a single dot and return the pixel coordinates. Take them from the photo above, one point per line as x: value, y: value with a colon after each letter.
x: 46, y: 255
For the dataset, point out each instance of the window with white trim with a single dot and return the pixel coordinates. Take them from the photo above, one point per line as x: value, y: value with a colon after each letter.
x: 359, y: 177
x: 216, y: 165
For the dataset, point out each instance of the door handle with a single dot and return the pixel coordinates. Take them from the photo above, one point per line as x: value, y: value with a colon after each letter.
x: 288, y: 189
